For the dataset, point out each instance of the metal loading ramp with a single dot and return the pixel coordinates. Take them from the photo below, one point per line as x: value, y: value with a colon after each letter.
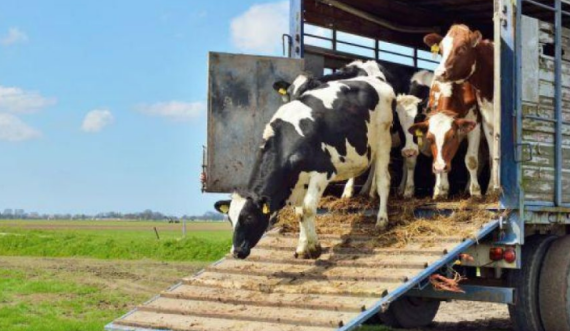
x: 272, y: 290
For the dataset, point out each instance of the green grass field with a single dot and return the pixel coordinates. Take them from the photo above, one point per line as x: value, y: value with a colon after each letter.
x: 115, y: 240
x: 80, y: 275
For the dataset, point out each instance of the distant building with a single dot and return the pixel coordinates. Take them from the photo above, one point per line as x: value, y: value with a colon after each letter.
x: 19, y: 213
x: 8, y: 212
x: 34, y: 215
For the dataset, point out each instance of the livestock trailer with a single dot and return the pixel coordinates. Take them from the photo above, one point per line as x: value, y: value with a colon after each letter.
x: 521, y: 258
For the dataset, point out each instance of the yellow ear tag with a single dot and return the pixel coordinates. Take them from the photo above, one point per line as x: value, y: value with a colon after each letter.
x: 420, y: 136
x: 224, y: 209
x: 435, y: 49
x: 282, y: 91
x: 265, y: 209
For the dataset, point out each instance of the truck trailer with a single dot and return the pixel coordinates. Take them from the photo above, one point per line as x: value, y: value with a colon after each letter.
x: 519, y: 257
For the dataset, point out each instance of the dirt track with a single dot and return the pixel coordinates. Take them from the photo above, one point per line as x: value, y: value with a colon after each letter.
x: 148, y: 278
x: 472, y: 316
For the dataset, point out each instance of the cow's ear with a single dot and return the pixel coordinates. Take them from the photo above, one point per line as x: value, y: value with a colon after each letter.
x: 465, y: 126
x: 405, y: 100
x: 281, y: 87
x: 223, y: 206
x: 419, y: 128
x: 263, y: 204
x: 476, y: 38
x: 432, y: 39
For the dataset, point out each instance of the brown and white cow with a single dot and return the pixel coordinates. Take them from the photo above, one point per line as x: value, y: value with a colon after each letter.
x: 454, y: 116
x: 466, y: 57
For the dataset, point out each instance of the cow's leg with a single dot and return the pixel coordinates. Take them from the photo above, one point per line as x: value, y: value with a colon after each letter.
x: 369, y: 188
x: 402, y: 186
x: 488, y: 129
x: 348, y: 189
x: 309, y: 247
x: 382, y: 174
x: 472, y: 160
x: 441, y: 190
x: 410, y: 167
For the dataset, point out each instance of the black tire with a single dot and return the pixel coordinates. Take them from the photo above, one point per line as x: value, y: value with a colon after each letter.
x: 525, y: 314
x: 410, y: 312
x: 554, y: 288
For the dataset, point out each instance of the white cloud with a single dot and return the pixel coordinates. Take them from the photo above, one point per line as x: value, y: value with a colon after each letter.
x: 14, y: 36
x: 96, y: 120
x: 175, y: 110
x: 14, y: 129
x: 260, y: 28
x: 16, y: 100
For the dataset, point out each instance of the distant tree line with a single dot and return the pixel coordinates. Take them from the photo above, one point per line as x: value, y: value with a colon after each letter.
x: 147, y: 215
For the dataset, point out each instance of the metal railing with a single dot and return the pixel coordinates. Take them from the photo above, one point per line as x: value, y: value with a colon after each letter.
x: 335, y: 42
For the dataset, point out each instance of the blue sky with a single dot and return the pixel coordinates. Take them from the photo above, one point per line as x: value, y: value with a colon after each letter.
x: 102, y: 103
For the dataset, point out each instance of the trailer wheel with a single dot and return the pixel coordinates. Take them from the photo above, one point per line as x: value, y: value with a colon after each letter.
x: 554, y: 288
x: 525, y: 314
x: 410, y: 312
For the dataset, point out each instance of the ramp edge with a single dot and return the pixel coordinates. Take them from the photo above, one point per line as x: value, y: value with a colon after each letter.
x: 383, y: 303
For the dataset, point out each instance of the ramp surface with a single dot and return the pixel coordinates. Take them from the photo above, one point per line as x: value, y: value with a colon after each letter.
x: 271, y: 290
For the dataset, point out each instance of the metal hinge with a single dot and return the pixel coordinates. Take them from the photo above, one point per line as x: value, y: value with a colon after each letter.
x: 519, y: 152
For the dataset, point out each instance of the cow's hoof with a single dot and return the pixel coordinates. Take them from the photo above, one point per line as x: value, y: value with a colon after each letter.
x: 309, y: 253
x: 440, y: 194
x: 382, y: 223
x: 346, y: 195
x: 409, y: 193
x: 475, y: 192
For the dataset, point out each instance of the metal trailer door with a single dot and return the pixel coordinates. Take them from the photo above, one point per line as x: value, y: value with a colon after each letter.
x: 241, y: 100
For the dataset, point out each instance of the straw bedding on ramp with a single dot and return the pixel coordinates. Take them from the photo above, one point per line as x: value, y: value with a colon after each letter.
x: 357, y: 216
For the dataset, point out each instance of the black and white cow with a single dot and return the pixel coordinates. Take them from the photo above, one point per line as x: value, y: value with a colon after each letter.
x: 411, y: 108
x: 306, y: 82
x: 331, y: 133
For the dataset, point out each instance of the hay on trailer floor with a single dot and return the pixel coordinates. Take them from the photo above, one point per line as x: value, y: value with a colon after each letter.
x: 357, y: 216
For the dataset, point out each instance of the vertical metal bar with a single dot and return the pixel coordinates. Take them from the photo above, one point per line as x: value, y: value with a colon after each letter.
x: 334, y: 44
x: 518, y: 98
x: 296, y: 28
x: 558, y: 98
x: 517, y: 221
x: 415, y: 57
x: 377, y: 49
x: 511, y: 119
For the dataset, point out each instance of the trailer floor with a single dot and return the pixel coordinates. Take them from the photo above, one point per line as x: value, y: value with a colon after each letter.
x: 271, y: 290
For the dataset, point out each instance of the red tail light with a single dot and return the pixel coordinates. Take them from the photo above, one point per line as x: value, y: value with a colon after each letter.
x: 496, y: 253
x: 510, y: 255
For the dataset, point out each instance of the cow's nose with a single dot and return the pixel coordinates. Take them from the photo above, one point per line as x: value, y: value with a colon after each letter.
x: 440, y: 168
x: 409, y: 153
x: 241, y: 253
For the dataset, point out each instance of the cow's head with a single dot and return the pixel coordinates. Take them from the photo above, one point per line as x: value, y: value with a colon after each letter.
x: 407, y: 108
x: 360, y: 68
x: 442, y: 133
x: 293, y: 91
x: 250, y: 219
x: 459, y: 56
